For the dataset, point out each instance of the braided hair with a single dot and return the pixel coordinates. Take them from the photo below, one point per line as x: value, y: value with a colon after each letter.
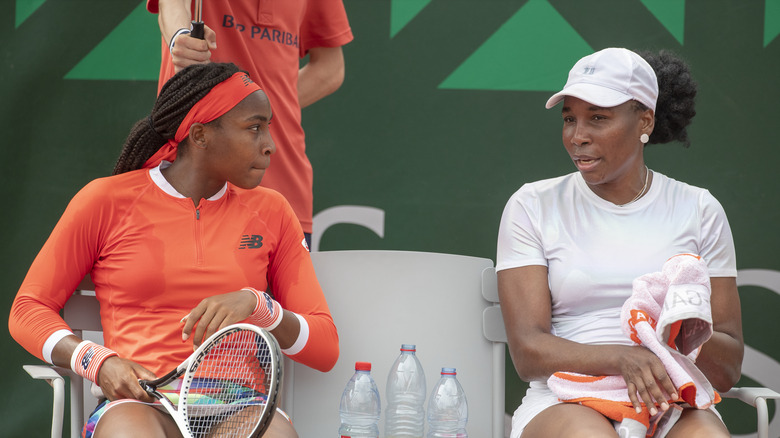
x: 176, y: 98
x: 675, y: 107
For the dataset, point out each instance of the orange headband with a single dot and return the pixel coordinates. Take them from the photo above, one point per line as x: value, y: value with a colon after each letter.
x: 221, y: 99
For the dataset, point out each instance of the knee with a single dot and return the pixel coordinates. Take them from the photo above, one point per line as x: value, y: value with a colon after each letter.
x: 708, y: 432
x: 580, y: 422
x: 130, y: 420
x: 280, y: 428
x: 695, y: 423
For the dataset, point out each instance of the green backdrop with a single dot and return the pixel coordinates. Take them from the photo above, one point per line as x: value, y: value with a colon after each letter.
x: 441, y: 118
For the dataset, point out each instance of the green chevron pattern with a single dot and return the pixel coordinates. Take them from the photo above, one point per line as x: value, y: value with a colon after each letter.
x: 25, y: 8
x: 771, y: 21
x: 130, y: 52
x: 671, y: 13
x: 516, y: 58
x: 404, y: 11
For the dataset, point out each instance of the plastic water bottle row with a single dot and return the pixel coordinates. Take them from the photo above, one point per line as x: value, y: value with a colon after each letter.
x: 360, y: 407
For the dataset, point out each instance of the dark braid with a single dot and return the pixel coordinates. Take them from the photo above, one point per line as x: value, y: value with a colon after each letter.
x: 176, y: 98
x: 675, y: 107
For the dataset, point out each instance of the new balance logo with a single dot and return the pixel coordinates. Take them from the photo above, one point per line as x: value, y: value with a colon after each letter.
x: 87, y: 358
x: 269, y: 304
x: 246, y: 80
x: 251, y: 241
x: 589, y: 70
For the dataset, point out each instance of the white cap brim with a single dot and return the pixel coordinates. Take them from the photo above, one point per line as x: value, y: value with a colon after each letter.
x: 594, y: 94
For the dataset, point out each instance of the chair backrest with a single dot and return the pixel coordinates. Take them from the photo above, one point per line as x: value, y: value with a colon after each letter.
x: 494, y: 330
x: 82, y: 314
x: 445, y: 304
x: 381, y: 299
x: 492, y: 319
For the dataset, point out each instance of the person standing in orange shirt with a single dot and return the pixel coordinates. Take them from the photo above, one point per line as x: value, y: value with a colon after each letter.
x: 267, y: 38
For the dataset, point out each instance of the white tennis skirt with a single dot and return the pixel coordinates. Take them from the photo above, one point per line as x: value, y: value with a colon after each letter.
x: 539, y: 397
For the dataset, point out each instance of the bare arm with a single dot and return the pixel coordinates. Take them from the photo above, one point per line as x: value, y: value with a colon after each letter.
x: 536, y: 353
x: 526, y: 305
x: 321, y: 76
x: 720, y: 358
x: 173, y: 15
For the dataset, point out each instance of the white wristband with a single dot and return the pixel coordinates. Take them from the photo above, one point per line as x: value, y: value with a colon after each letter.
x: 303, y: 337
x: 181, y: 31
x: 87, y: 359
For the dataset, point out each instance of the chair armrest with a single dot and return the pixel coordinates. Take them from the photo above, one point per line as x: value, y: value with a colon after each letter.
x: 57, y: 382
x: 42, y: 372
x: 751, y: 395
x: 755, y: 397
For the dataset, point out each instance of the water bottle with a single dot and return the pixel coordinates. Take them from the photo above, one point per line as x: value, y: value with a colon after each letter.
x: 405, y: 392
x: 448, y: 411
x: 360, y: 405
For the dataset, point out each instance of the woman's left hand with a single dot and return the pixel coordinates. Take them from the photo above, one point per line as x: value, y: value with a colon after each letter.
x: 216, y: 312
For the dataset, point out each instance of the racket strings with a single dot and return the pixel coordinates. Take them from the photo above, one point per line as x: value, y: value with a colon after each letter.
x: 228, y: 392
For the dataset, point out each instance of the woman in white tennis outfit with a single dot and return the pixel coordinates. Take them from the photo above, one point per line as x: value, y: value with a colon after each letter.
x: 570, y: 247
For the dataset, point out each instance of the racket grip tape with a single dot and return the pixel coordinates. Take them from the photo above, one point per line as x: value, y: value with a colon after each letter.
x: 268, y: 312
x: 197, y: 30
x: 87, y: 359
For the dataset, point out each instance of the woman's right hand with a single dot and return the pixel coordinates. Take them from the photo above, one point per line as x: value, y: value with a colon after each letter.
x: 646, y: 379
x: 118, y: 378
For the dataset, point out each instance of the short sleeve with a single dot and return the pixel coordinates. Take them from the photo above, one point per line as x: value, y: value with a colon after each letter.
x: 519, y: 242
x: 716, y: 240
x: 324, y: 25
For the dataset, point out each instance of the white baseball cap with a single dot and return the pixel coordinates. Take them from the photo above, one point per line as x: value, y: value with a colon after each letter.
x: 609, y: 78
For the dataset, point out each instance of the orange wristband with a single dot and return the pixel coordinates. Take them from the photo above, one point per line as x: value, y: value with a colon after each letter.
x: 268, y: 312
x: 87, y: 359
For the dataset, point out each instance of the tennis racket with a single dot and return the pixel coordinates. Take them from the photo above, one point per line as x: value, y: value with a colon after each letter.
x: 197, y: 24
x: 229, y: 388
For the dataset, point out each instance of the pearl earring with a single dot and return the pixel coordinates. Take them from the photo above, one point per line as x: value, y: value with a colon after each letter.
x: 644, y: 138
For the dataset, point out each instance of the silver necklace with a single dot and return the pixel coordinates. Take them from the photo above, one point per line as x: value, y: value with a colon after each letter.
x: 641, y: 192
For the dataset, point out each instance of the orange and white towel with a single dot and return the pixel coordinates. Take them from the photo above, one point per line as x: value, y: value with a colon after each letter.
x: 682, y: 326
x: 669, y: 313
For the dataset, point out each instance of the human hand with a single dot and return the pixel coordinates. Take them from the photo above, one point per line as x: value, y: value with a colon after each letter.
x: 188, y: 50
x: 216, y: 312
x: 118, y: 378
x: 646, y: 379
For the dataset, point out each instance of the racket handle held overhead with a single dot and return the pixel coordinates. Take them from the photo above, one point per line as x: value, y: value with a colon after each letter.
x: 197, y: 30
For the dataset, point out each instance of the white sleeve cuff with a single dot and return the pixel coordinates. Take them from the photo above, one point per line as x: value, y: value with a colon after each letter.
x: 48, y: 346
x: 303, y: 338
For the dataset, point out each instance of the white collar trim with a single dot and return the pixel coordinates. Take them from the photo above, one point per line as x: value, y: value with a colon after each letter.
x: 165, y: 186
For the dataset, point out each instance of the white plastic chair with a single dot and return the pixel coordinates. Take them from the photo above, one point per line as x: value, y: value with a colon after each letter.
x: 397, y: 286
x: 82, y: 313
x: 381, y: 299
x: 495, y: 331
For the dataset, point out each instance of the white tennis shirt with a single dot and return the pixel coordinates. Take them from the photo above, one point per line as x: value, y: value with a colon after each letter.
x: 594, y: 249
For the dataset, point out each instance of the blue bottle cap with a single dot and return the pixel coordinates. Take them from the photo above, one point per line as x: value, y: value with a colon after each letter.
x: 448, y: 372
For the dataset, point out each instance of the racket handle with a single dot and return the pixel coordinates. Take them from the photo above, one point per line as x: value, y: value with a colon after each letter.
x: 145, y: 384
x: 197, y: 30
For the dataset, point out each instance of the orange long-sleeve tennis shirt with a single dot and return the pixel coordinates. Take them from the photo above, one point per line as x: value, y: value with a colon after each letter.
x: 153, y: 256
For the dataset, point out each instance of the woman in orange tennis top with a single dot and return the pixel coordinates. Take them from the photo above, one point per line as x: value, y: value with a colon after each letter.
x: 179, y: 243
